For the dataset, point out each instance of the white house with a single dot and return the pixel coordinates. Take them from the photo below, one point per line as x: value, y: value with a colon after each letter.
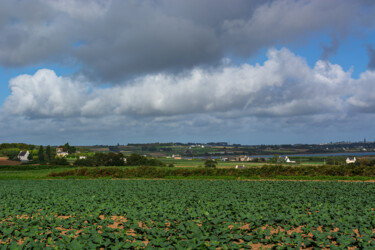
x: 23, y: 155
x: 240, y: 167
x: 287, y: 160
x: 243, y: 158
x: 60, y: 152
x: 350, y: 160
x: 176, y: 157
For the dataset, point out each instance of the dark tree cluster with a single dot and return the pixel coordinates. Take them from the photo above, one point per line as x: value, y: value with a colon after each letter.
x: 139, y: 160
x: 69, y: 149
x: 113, y: 159
x: 102, y: 159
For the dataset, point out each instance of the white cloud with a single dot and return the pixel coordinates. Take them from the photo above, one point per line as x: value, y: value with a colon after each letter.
x: 283, y: 86
x: 282, y: 96
x: 44, y: 94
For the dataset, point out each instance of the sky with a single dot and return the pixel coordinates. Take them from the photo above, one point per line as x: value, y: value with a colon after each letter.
x: 125, y: 71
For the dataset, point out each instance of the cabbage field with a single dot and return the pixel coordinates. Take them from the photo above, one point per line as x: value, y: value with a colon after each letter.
x: 186, y: 214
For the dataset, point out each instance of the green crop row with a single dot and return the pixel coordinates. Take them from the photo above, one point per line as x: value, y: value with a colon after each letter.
x: 175, y: 214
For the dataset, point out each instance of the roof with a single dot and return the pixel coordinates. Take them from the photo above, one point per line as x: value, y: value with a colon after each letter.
x: 22, y: 153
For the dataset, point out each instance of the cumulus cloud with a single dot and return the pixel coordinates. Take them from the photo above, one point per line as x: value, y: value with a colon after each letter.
x: 116, y: 40
x: 284, y: 95
x: 44, y: 94
x: 284, y: 86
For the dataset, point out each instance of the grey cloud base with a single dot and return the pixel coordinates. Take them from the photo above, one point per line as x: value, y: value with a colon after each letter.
x: 116, y: 40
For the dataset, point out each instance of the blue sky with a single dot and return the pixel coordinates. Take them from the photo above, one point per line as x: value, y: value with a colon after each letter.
x: 250, y: 72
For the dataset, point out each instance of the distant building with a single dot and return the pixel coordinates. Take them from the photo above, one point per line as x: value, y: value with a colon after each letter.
x: 243, y: 158
x: 351, y: 160
x: 60, y: 152
x: 176, y: 157
x: 23, y: 155
x: 82, y: 157
x: 287, y: 160
x: 240, y: 167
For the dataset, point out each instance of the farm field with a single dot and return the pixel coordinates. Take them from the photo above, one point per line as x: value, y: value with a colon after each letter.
x: 185, y: 214
x: 25, y: 174
x: 232, y: 164
x: 5, y: 161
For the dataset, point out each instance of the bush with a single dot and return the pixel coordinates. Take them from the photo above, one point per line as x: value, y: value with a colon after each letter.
x: 210, y: 164
x: 61, y: 161
x: 101, y: 159
x: 139, y: 160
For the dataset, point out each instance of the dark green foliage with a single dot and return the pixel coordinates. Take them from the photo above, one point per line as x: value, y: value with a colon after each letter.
x: 69, y: 149
x: 274, y: 159
x: 48, y: 153
x: 11, y: 153
x: 76, y: 214
x: 30, y: 157
x: 88, y: 162
x: 41, y: 154
x: 20, y: 146
x: 210, y: 163
x: 267, y: 171
x: 114, y: 149
x: 62, y: 161
x: 101, y: 159
x: 139, y: 160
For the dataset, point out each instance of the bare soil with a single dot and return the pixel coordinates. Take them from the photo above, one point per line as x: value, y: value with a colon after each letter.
x: 5, y: 161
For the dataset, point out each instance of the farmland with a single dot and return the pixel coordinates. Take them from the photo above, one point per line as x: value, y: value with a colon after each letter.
x: 185, y: 214
x: 5, y: 161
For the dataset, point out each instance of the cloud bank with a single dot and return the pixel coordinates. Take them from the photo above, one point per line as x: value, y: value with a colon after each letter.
x: 116, y: 40
x: 284, y: 86
x: 147, y: 68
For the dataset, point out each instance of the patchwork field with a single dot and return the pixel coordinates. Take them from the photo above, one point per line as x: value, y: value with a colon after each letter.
x: 186, y: 214
x: 5, y: 161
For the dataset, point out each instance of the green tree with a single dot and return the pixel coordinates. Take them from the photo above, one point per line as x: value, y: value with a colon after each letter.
x: 210, y: 163
x: 41, y: 153
x: 274, y: 159
x: 30, y: 157
x: 69, y: 149
x: 48, y: 152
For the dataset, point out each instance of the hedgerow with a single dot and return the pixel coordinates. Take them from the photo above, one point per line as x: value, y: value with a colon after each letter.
x: 269, y: 171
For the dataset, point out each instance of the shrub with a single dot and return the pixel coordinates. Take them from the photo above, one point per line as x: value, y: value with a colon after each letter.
x: 210, y: 164
x: 61, y: 161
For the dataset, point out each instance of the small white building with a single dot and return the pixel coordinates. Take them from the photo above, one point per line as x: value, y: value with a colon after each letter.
x: 23, y: 155
x: 287, y: 160
x: 240, y: 167
x: 82, y: 157
x: 351, y: 160
x: 243, y: 158
x: 176, y: 157
x: 60, y: 152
